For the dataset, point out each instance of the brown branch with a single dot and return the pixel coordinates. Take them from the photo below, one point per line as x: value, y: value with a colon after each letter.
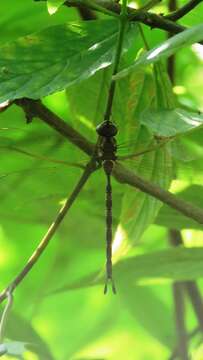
x: 185, y: 9
x: 50, y: 233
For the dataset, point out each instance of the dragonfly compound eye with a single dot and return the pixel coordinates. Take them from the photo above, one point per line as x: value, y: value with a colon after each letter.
x: 107, y: 129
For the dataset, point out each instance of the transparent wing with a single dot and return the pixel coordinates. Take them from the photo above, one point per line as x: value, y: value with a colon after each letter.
x: 36, y: 176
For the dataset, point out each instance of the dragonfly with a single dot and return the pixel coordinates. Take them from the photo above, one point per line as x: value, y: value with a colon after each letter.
x: 106, y: 156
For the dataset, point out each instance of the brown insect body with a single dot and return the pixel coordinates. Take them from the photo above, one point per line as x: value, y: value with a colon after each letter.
x: 107, y: 155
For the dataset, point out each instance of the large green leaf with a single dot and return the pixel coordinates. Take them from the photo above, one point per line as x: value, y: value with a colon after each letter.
x: 51, y: 60
x: 178, y: 264
x: 166, y: 49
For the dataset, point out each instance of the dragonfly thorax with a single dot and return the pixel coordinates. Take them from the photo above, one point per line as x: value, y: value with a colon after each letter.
x: 107, y: 149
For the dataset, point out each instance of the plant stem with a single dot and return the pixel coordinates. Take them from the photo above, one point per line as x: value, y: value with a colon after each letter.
x: 180, y: 321
x: 5, y: 313
x: 51, y: 231
x: 112, y: 88
x: 190, y: 287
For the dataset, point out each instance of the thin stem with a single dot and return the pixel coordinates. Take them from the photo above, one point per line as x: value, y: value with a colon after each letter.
x: 123, y: 21
x: 5, y: 313
x: 143, y: 37
x: 184, y: 10
x: 180, y: 321
x: 190, y: 336
x: 195, y: 297
x: 51, y: 231
x: 190, y: 287
x: 172, y: 5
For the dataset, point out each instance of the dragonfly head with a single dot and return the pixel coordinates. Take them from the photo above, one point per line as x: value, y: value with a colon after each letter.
x: 107, y: 129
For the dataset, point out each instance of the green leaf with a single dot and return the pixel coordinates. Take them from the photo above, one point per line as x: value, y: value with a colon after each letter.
x: 166, y: 49
x: 168, y: 216
x: 178, y: 264
x: 53, y: 5
x: 170, y: 122
x: 51, y: 60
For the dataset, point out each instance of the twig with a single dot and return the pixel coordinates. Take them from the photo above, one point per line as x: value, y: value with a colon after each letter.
x: 180, y: 321
x: 5, y: 313
x: 51, y: 231
x: 191, y: 289
x: 185, y: 9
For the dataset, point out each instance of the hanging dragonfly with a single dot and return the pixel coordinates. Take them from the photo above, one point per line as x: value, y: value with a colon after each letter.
x: 106, y: 156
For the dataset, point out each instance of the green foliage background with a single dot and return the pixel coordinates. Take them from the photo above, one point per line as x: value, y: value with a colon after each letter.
x: 55, y: 310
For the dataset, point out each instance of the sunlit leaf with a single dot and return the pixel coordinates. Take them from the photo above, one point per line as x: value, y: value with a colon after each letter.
x: 167, y: 48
